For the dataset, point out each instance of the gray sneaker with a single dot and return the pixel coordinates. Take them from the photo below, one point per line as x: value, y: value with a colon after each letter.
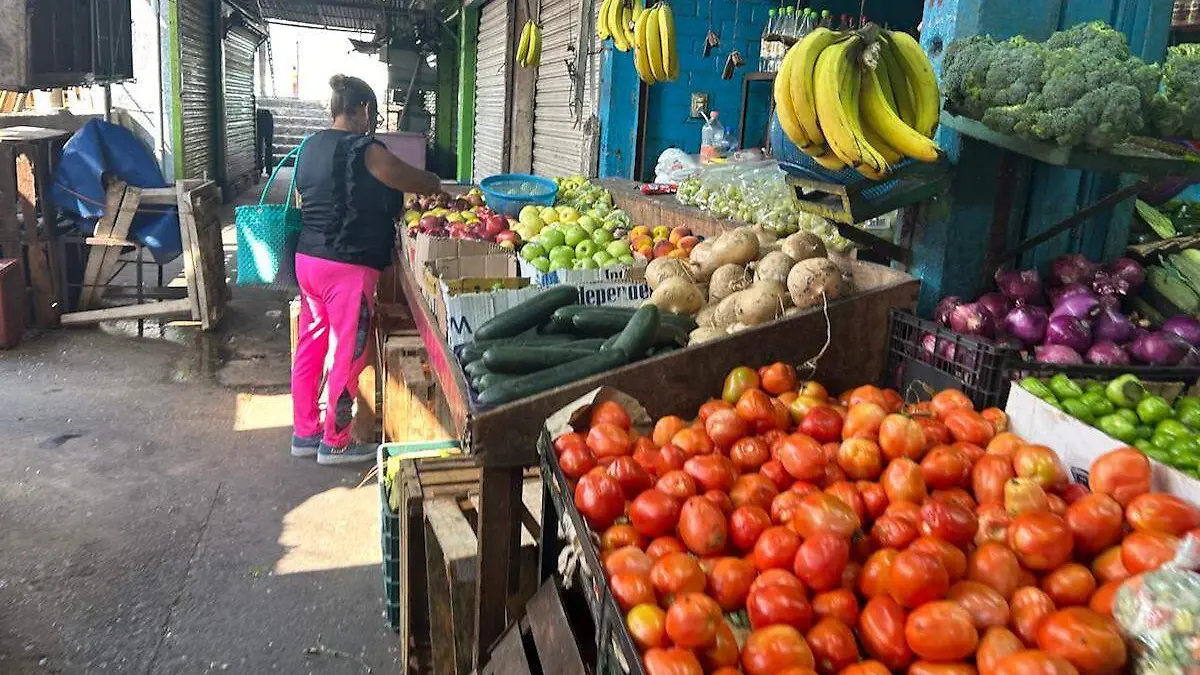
x: 350, y: 454
x: 305, y: 446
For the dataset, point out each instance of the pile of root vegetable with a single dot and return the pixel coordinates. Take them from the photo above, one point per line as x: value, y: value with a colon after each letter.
x: 744, y: 278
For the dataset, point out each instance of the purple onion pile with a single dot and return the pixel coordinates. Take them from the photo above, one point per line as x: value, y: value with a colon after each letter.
x: 1073, y: 317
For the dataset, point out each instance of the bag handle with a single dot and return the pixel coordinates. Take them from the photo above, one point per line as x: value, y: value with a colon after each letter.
x: 294, y: 152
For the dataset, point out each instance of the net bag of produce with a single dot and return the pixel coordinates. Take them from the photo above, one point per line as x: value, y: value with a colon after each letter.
x: 1160, y: 615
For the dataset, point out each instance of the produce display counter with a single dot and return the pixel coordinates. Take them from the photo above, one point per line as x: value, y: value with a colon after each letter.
x: 666, y: 210
x: 504, y: 438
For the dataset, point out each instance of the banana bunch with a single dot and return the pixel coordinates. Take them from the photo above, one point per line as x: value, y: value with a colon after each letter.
x: 616, y: 19
x: 654, y: 53
x: 529, y: 50
x: 863, y: 99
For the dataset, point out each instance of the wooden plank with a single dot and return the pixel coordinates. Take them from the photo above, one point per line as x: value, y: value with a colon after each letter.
x: 118, y: 217
x: 457, y: 544
x: 10, y: 226
x: 410, y: 408
x: 509, y: 655
x: 499, y: 527
x: 191, y: 254
x: 150, y: 310
x: 414, y: 625
x: 556, y: 646
x: 27, y: 134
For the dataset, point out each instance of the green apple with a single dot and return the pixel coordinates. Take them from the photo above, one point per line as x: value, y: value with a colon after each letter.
x: 549, y: 215
x: 625, y: 259
x: 612, y: 262
x: 588, y: 223
x: 533, y: 250
x: 585, y: 249
x: 556, y: 265
x: 528, y: 213
x: 589, y: 228
x: 551, y: 237
x: 562, y: 253
x: 602, y: 258
x: 602, y: 237
x: 586, y: 264
x: 574, y: 234
x: 541, y: 264
x: 619, y: 248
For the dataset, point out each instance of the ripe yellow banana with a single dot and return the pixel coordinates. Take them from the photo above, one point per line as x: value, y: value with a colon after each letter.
x: 783, y: 101
x: 641, y: 48
x: 830, y: 161
x: 523, y: 46
x: 885, y: 80
x: 921, y: 80
x: 889, y: 154
x: 615, y: 18
x: 639, y: 6
x: 654, y: 49
x: 666, y: 32
x: 837, y: 80
x: 602, y: 30
x: 801, y: 82
x: 878, y: 115
x: 902, y: 92
x: 535, y: 46
x: 627, y: 24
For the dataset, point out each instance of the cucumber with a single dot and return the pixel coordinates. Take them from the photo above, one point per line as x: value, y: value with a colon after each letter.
x: 475, y: 368
x: 492, y: 379
x: 528, y: 385
x: 529, y: 314
x: 609, y: 342
x: 586, y: 343
x: 639, y: 333
x: 602, y: 323
x: 662, y: 349
x: 566, y: 315
x: 525, y: 360
x: 474, y: 351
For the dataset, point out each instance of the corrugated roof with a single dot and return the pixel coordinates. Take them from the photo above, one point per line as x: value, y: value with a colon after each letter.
x: 357, y: 15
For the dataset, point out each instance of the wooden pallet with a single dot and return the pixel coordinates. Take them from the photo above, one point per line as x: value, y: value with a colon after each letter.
x: 414, y: 409
x: 439, y: 562
x: 544, y: 634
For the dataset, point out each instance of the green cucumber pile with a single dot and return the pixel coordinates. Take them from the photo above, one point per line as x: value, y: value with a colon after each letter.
x: 549, y: 341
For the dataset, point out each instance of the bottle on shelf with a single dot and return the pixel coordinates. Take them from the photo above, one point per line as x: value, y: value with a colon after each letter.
x: 712, y: 137
x: 788, y: 30
x: 766, y: 42
x: 826, y: 19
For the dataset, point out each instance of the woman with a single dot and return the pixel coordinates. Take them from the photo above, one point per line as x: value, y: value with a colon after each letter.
x: 350, y: 193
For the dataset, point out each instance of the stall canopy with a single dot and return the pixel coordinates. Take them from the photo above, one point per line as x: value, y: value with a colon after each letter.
x: 356, y: 15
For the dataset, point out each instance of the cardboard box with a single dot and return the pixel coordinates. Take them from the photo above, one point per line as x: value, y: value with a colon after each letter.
x: 577, y: 277
x: 471, y: 274
x: 421, y: 248
x: 1078, y: 444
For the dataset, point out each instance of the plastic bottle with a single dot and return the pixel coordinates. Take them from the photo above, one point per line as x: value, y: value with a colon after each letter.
x: 787, y: 33
x: 826, y: 19
x: 710, y: 137
x: 766, y: 42
x: 808, y: 23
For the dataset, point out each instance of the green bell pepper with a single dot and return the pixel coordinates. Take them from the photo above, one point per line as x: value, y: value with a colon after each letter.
x: 1096, y: 402
x: 1095, y: 387
x: 1189, y: 415
x: 1153, y: 409
x: 1117, y: 427
x: 1037, y: 388
x: 1162, y: 440
x: 1077, y: 408
x: 1144, y: 432
x: 1187, y: 401
x: 1064, y: 388
x: 1156, y: 453
x: 1128, y: 415
x: 1186, y: 453
x: 1145, y: 446
x: 1125, y: 391
x: 1173, y: 428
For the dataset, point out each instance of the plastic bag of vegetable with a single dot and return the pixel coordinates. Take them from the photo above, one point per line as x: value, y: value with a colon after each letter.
x: 1160, y: 614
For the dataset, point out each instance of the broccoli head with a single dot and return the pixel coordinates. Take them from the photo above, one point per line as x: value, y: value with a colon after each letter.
x: 1015, y: 71
x: 1177, y: 110
x: 1095, y: 38
x: 964, y: 72
x: 1111, y: 114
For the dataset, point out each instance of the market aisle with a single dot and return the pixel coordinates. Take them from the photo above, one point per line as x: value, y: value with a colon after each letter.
x: 152, y: 521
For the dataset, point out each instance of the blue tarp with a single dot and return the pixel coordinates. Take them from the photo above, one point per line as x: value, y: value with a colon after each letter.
x: 99, y: 149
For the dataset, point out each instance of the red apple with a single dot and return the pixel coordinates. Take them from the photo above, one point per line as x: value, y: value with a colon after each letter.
x: 495, y: 225
x: 688, y: 243
x: 427, y: 223
x: 508, y: 235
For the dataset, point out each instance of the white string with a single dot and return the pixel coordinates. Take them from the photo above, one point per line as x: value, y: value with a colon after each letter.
x: 811, y: 364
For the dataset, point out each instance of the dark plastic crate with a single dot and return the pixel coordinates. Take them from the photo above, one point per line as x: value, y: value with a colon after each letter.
x: 923, y: 357
x: 389, y: 539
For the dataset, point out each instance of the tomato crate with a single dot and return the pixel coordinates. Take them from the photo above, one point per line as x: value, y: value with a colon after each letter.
x: 921, y: 352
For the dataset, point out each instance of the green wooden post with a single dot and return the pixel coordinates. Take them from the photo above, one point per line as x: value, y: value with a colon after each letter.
x: 176, y: 86
x: 468, y: 39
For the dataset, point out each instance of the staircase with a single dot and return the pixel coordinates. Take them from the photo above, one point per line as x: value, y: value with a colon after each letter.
x: 294, y: 119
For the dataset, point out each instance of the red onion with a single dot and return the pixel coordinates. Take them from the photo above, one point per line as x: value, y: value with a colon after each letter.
x: 1106, y: 284
x: 928, y: 347
x: 1022, y: 287
x: 1027, y: 324
x: 1074, y: 288
x: 1185, y: 327
x: 1072, y: 268
x: 941, y: 313
x: 1080, y: 306
x: 1129, y: 271
x: 1069, y: 331
x: 1112, y: 326
x: 972, y: 319
x: 1110, y: 302
x: 1107, y: 354
x: 1057, y: 354
x: 996, y: 303
x: 1159, y: 349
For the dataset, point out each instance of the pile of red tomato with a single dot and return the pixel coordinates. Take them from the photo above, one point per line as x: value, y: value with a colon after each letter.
x: 787, y: 532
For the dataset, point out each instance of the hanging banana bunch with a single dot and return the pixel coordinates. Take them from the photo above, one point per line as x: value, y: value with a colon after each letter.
x: 654, y: 52
x: 529, y: 49
x: 864, y: 99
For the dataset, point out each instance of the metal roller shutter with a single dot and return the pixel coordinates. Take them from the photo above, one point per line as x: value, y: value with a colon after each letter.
x: 240, y: 45
x: 491, y: 90
x: 197, y: 45
x: 564, y: 109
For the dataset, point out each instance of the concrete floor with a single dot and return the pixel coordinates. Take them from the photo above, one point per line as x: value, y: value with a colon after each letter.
x: 153, y: 522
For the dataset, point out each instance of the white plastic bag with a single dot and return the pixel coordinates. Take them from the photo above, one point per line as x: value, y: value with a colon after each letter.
x: 1160, y: 615
x: 674, y: 166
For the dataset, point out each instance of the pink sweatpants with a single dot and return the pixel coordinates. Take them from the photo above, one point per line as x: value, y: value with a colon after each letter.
x: 336, y: 303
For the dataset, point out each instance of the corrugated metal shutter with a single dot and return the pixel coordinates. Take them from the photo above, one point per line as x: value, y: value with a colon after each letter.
x: 197, y: 44
x: 491, y: 90
x: 562, y: 132
x: 240, y: 45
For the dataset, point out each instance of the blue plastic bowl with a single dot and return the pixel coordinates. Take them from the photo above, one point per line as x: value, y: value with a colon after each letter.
x: 508, y: 193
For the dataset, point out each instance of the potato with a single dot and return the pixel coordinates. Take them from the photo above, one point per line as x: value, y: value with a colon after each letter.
x: 761, y: 303
x: 778, y: 288
x: 738, y: 246
x: 700, y: 261
x: 677, y: 295
x: 736, y: 328
x: 725, y: 313
x: 661, y: 269
x: 704, y: 318
x: 810, y: 278
x: 765, y: 236
x: 704, y: 334
x: 804, y: 245
x: 774, y: 266
x: 728, y: 279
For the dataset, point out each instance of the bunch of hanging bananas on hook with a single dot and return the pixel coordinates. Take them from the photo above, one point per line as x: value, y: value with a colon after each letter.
x: 650, y: 33
x: 529, y: 49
